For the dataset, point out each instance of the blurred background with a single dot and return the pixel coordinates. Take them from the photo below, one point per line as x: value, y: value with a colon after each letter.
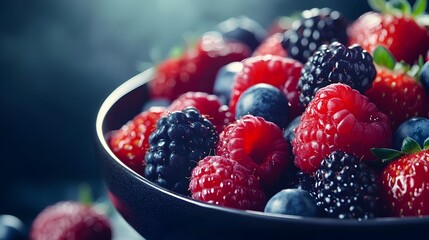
x: 60, y: 59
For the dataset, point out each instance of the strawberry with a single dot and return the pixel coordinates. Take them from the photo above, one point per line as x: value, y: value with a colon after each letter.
x: 196, y: 69
x: 395, y: 92
x: 405, y: 180
x: 392, y: 27
x: 131, y: 141
x: 70, y: 220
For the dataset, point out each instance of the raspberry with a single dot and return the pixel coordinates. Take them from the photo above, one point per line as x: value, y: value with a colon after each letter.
x: 181, y: 139
x: 208, y: 105
x: 339, y: 118
x: 316, y: 27
x: 336, y: 63
x: 271, y: 45
x: 71, y: 220
x: 346, y: 187
x: 257, y: 145
x: 280, y: 72
x: 221, y: 181
x: 131, y: 141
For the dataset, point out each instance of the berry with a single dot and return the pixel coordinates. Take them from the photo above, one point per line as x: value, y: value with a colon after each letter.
x: 374, y: 29
x: 424, y: 77
x: 221, y: 181
x: 265, y: 101
x: 181, y: 139
x: 405, y: 180
x: 292, y: 202
x: 224, y: 80
x: 12, y: 228
x: 280, y: 72
x: 131, y: 141
x: 272, y: 45
x: 195, y: 70
x: 257, y: 145
x: 71, y: 220
x: 339, y: 118
x: 416, y: 128
x: 316, y: 27
x: 244, y: 30
x: 398, y: 95
x: 346, y: 187
x: 335, y: 63
x: 208, y: 105
x: 289, y: 132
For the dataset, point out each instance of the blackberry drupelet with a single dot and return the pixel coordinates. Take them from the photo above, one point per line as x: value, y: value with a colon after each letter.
x: 316, y: 27
x: 346, y: 188
x: 181, y: 139
x: 336, y: 63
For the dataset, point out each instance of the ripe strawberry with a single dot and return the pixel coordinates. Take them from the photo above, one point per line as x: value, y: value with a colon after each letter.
x: 196, y: 69
x: 392, y: 29
x: 395, y: 92
x: 405, y: 180
x: 70, y: 220
x: 131, y: 141
x: 257, y: 145
x: 222, y: 181
x: 208, y: 105
x: 339, y: 118
x: 271, y: 45
x: 280, y: 72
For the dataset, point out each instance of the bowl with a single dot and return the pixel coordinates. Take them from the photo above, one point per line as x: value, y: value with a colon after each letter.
x: 157, y: 213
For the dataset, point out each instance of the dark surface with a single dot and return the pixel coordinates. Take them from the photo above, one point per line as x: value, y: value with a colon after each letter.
x: 60, y: 59
x: 157, y: 213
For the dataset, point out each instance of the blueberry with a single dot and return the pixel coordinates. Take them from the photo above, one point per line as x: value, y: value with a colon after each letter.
x: 12, y: 228
x: 265, y: 101
x: 416, y: 128
x: 225, y: 79
x: 293, y: 202
x: 289, y: 133
x: 243, y: 29
x: 424, y: 76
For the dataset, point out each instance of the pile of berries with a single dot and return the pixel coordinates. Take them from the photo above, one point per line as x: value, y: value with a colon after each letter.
x: 327, y: 117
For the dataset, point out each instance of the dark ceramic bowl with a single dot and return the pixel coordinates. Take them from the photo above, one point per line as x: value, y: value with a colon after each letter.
x: 157, y: 213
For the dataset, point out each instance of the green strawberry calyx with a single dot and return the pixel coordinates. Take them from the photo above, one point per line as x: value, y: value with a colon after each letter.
x: 409, y: 146
x: 399, y: 7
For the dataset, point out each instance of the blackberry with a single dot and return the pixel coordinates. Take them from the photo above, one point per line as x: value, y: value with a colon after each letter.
x: 336, y: 63
x: 316, y: 27
x: 181, y: 139
x: 346, y: 188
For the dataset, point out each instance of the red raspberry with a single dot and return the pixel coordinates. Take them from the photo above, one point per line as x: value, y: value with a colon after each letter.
x: 339, y: 118
x: 271, y: 45
x: 196, y: 69
x: 70, y: 220
x: 208, y: 105
x: 221, y: 181
x: 280, y: 72
x: 257, y: 145
x: 131, y: 141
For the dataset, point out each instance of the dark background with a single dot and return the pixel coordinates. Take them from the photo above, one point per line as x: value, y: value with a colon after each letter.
x: 58, y: 61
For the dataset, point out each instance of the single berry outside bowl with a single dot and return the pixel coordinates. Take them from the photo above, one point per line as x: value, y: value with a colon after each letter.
x: 157, y: 213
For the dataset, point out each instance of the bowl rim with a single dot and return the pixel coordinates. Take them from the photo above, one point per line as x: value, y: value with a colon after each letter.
x: 145, y: 77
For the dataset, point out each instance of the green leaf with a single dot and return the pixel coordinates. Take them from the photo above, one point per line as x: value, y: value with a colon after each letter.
x: 385, y: 154
x: 383, y: 57
x: 419, y: 7
x: 378, y: 5
x: 176, y: 52
x: 85, y: 194
x: 410, y: 145
x: 400, y: 6
x: 426, y: 144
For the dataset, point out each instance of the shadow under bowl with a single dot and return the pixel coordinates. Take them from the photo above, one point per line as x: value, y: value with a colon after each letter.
x: 157, y: 213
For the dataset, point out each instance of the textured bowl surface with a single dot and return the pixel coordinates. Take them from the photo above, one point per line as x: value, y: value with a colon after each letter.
x: 157, y: 213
